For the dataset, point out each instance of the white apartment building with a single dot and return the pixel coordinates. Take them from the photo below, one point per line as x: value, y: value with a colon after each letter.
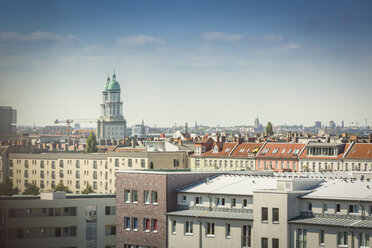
x: 77, y: 170
x: 270, y: 212
x: 55, y: 219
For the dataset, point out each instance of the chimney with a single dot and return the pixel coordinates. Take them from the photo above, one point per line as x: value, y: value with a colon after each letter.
x: 180, y: 142
x: 223, y: 138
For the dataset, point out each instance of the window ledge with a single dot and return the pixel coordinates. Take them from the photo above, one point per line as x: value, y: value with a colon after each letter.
x: 265, y: 221
x: 275, y: 222
x: 147, y: 203
x: 210, y: 235
x: 189, y: 234
x: 155, y: 204
x: 147, y: 231
x: 135, y: 230
x: 155, y: 231
x: 174, y: 233
x: 127, y: 229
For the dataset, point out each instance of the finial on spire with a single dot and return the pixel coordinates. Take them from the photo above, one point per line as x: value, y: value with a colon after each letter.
x: 108, y: 78
x: 114, y: 76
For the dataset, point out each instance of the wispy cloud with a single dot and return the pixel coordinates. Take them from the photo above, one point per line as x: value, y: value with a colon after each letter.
x: 37, y: 36
x: 273, y: 37
x: 140, y: 40
x: 219, y: 36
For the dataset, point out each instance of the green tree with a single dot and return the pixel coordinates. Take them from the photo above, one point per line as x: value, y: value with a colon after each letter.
x: 6, y: 188
x: 31, y: 189
x: 88, y: 190
x: 62, y: 187
x: 269, y: 129
x: 91, y: 143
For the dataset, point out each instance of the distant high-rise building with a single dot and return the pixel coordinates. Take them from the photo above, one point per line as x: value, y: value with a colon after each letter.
x: 318, y: 124
x: 8, y: 117
x: 256, y: 123
x: 332, y: 124
x: 111, y: 124
x: 342, y: 124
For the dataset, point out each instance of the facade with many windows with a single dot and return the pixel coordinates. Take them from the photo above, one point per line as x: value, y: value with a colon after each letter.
x: 55, y: 219
x: 255, y: 211
x: 142, y: 199
x: 77, y: 170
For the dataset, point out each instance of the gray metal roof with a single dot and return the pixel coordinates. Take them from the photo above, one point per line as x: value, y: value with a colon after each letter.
x: 212, y: 214
x: 331, y: 222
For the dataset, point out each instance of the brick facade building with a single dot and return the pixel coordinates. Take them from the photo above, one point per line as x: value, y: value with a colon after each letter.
x: 142, y: 200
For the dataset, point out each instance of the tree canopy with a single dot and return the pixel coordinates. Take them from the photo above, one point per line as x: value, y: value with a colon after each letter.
x: 6, y: 188
x: 62, y: 187
x: 31, y: 189
x: 91, y: 143
x: 88, y: 189
x: 269, y: 129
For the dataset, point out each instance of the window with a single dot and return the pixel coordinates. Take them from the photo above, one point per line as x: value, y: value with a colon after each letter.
x: 301, y: 238
x: 264, y: 243
x: 135, y: 223
x: 321, y: 237
x: 134, y: 196
x: 174, y: 224
x: 146, y: 196
x: 146, y: 225
x: 154, y: 197
x: 130, y: 162
x: 142, y: 163
x: 246, y: 236
x: 309, y: 206
x: 210, y: 229
x: 353, y: 209
x: 275, y: 243
x: 264, y: 214
x: 176, y: 162
x: 325, y: 207
x: 94, y: 164
x: 338, y: 208
x: 110, y: 210
x: 188, y: 227
x: 154, y: 225
x: 127, y: 196
x: 227, y: 231
x: 116, y: 162
x: 245, y: 203
x: 233, y: 202
x: 126, y: 223
x: 198, y: 200
x: 276, y: 215
x: 342, y: 238
x: 364, y: 240
x: 220, y: 201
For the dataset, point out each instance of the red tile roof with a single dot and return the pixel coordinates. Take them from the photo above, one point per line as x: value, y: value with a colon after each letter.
x: 245, y: 150
x: 224, y: 149
x: 360, y: 151
x: 280, y: 150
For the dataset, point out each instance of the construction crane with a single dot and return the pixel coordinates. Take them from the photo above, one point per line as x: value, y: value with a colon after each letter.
x: 69, y: 121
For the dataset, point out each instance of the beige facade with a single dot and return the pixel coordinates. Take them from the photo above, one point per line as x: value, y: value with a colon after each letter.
x: 297, y: 212
x: 77, y: 170
x: 221, y: 163
x: 57, y: 220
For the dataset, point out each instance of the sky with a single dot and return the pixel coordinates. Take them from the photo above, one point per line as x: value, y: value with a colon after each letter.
x: 215, y: 62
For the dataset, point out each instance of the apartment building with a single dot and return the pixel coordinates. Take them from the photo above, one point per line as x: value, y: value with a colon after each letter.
x: 286, y: 211
x: 55, y: 219
x: 323, y: 157
x: 279, y: 156
x: 225, y: 156
x: 77, y: 170
x: 358, y: 157
x: 142, y: 200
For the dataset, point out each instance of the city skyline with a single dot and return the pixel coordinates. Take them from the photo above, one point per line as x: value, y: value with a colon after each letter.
x: 213, y: 62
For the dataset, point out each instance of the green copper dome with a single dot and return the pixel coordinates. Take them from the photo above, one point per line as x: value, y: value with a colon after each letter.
x: 113, y: 85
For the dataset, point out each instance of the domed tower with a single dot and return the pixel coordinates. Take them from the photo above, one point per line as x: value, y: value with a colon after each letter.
x: 111, y: 124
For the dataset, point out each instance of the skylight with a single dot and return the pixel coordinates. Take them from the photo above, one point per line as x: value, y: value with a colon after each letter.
x: 283, y: 151
x: 242, y: 150
x: 289, y: 151
x: 275, y: 150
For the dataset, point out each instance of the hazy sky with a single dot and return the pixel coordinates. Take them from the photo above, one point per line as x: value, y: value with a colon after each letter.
x: 216, y: 62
